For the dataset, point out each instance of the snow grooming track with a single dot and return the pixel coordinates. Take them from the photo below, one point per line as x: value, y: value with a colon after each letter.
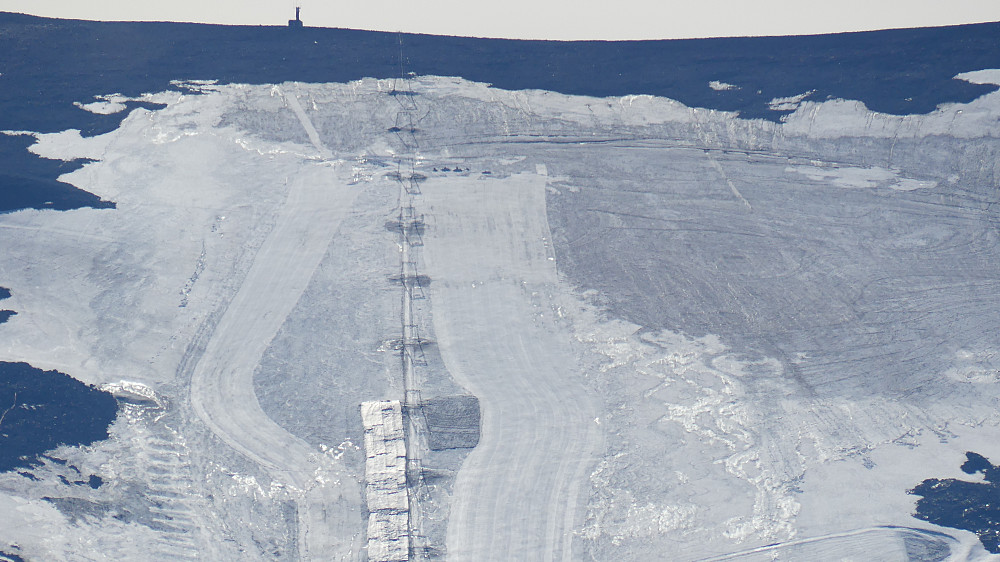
x: 222, y: 392
x: 871, y: 543
x: 517, y: 495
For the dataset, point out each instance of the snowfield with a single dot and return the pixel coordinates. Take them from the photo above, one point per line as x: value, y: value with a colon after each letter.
x: 691, y: 336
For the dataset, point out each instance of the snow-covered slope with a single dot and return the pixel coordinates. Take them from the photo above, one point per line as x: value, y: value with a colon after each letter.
x: 690, y: 335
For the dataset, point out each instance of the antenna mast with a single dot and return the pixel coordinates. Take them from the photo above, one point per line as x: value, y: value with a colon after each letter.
x: 296, y: 22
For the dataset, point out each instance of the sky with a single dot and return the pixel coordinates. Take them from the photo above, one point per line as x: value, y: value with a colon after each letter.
x: 543, y: 19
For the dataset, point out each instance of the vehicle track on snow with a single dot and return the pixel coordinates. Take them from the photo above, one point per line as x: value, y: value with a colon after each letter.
x: 222, y: 391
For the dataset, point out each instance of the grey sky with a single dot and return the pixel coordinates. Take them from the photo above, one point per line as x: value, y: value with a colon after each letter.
x: 544, y: 19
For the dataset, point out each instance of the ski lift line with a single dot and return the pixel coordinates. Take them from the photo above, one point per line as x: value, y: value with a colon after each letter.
x: 412, y: 356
